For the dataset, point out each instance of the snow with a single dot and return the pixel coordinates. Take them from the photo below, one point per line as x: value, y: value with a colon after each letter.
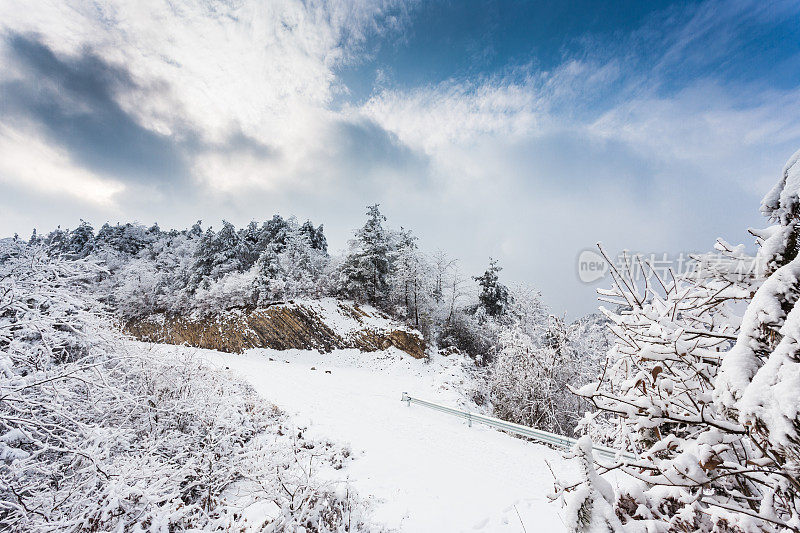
x: 423, y: 470
x: 771, y: 396
x: 765, y: 312
x: 781, y: 202
x: 340, y: 317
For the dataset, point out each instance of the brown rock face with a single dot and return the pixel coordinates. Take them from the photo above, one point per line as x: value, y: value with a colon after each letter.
x: 322, y: 326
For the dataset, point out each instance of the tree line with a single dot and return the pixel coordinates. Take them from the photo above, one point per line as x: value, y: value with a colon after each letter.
x: 525, y: 355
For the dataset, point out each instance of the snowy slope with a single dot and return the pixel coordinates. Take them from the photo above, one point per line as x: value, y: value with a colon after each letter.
x: 424, y: 471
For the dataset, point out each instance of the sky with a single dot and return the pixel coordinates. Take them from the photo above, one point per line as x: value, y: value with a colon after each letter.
x: 524, y: 131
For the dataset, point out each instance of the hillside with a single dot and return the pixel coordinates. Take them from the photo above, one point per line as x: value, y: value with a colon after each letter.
x: 419, y: 470
x: 323, y: 325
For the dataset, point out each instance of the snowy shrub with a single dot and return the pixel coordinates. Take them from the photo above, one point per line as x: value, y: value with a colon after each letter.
x: 235, y: 289
x: 96, y: 435
x: 527, y: 382
x: 705, y: 397
x: 590, y: 507
x: 538, y: 356
x: 534, y: 367
x: 140, y: 288
x: 464, y: 332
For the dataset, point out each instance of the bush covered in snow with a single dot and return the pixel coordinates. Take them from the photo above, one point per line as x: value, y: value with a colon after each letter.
x: 539, y: 356
x: 96, y: 435
x: 704, y: 396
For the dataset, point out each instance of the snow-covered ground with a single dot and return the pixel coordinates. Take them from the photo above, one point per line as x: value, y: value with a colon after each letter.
x: 422, y: 470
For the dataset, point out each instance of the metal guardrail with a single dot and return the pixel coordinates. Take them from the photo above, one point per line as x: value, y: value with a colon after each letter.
x: 546, y: 437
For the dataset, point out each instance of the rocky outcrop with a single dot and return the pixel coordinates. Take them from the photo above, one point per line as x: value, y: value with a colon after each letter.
x: 322, y: 325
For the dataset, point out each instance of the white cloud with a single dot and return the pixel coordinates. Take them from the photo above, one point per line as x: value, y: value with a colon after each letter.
x: 532, y: 166
x: 28, y: 161
x: 262, y: 69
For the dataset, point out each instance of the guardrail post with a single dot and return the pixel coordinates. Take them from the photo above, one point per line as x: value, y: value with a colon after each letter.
x: 406, y: 398
x: 469, y: 419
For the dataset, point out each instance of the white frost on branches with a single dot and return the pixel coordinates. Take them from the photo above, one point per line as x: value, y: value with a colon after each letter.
x: 96, y: 435
x: 706, y: 392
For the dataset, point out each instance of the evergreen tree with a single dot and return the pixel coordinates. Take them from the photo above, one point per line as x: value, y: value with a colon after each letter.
x: 127, y: 238
x: 81, y: 241
x: 494, y: 296
x: 302, y: 263
x: 248, y: 238
x: 269, y: 276
x: 366, y: 268
x: 218, y: 254
x: 57, y: 240
x: 316, y: 237
x: 273, y: 231
x: 196, y: 229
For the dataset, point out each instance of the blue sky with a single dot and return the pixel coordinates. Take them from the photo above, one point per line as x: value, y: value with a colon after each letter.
x: 452, y: 39
x: 469, y: 39
x: 526, y: 131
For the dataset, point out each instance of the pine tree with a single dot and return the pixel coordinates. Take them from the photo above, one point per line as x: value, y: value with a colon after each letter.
x: 365, y: 270
x: 494, y: 296
x: 270, y: 276
x: 57, y: 241
x: 298, y: 263
x: 249, y: 238
x: 273, y: 231
x: 196, y: 230
x: 128, y: 238
x: 316, y: 236
x: 35, y: 239
x: 219, y: 253
x: 81, y: 241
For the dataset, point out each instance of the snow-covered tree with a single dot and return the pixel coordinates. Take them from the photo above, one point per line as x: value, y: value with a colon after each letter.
x: 218, y: 254
x: 316, y: 236
x: 233, y: 290
x: 535, y: 364
x: 34, y: 239
x: 269, y: 282
x: 140, y: 289
x: 81, y: 241
x: 494, y: 296
x: 442, y: 266
x: 273, y: 232
x: 366, y: 268
x: 302, y: 262
x: 125, y: 238
x: 249, y: 239
x: 57, y: 240
x: 410, y: 278
x: 707, y: 407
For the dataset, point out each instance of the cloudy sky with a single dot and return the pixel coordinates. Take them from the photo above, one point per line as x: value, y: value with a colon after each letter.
x: 526, y: 131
